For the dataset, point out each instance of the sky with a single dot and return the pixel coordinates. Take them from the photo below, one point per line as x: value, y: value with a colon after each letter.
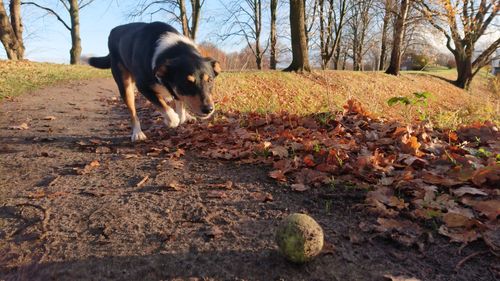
x: 47, y: 40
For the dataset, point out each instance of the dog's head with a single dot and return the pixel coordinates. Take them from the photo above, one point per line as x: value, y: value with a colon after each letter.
x: 191, y: 79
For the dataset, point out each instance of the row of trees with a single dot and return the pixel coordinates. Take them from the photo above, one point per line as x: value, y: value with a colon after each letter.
x: 333, y: 33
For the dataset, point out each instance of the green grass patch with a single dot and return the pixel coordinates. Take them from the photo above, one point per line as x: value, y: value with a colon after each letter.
x: 20, y: 77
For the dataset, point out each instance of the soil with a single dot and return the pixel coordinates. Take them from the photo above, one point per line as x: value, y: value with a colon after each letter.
x: 79, y: 201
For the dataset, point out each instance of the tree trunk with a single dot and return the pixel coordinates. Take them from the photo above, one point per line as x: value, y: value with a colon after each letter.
x: 196, y: 8
x: 385, y: 26
x: 76, y: 44
x: 183, y: 18
x: 274, y: 8
x: 399, y: 30
x: 300, y: 60
x: 464, y: 70
x: 258, y: 27
x: 11, y: 32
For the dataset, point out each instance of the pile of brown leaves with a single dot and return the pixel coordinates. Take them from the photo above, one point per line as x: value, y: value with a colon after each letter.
x: 415, y: 172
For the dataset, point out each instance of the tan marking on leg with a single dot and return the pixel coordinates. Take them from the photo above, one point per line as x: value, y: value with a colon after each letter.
x: 170, y: 118
x: 129, y: 84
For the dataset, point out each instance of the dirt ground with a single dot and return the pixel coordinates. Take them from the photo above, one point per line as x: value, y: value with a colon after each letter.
x: 79, y: 201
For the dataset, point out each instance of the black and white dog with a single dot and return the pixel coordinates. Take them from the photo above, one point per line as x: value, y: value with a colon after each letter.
x: 162, y: 64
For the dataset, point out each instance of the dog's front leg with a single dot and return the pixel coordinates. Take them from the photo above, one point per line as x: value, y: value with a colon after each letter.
x: 184, y: 116
x: 170, y: 117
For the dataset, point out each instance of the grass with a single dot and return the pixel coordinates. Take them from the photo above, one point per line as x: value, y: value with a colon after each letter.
x: 321, y: 91
x: 20, y: 77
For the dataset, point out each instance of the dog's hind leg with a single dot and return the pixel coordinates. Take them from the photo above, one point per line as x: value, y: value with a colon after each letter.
x: 126, y: 85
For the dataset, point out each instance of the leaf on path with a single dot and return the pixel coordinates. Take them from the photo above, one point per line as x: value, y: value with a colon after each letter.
x: 49, y: 118
x: 409, y: 144
x: 225, y: 185
x: 278, y: 175
x: 300, y: 187
x: 23, y: 126
x: 459, y: 234
x: 399, y: 278
x: 219, y: 194
x: 489, y: 208
x: 143, y: 181
x: 468, y: 190
x: 262, y: 196
x: 279, y: 151
x: 453, y: 220
x: 403, y: 231
x: 432, y: 178
x: 175, y: 185
x: 88, y: 168
x: 383, y: 197
x: 487, y: 176
x: 492, y: 238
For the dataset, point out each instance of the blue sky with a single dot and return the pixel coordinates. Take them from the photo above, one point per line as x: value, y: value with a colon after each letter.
x: 47, y: 40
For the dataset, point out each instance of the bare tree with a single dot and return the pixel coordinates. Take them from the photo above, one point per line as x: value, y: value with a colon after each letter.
x: 11, y: 31
x: 388, y: 4
x: 245, y: 18
x: 360, y: 23
x: 310, y: 10
x: 73, y: 8
x: 188, y: 19
x: 300, y: 59
x: 273, y: 38
x: 463, y: 23
x: 399, y: 34
x: 331, y: 24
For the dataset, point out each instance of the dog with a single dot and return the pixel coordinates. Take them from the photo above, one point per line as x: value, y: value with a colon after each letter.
x: 163, y: 65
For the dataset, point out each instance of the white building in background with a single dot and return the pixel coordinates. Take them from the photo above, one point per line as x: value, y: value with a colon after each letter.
x: 495, y: 63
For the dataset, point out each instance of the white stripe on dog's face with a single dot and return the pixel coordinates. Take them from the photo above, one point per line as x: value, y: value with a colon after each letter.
x: 166, y: 41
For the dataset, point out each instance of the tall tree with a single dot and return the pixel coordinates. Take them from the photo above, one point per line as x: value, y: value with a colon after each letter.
x: 463, y: 23
x: 11, y: 31
x: 331, y: 23
x: 399, y: 33
x: 385, y: 27
x: 360, y: 23
x: 273, y: 38
x: 309, y: 17
x: 189, y: 19
x: 245, y: 18
x: 73, y: 7
x: 300, y: 57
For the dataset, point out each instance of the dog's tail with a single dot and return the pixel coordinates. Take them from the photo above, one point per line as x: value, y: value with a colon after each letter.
x: 100, y: 62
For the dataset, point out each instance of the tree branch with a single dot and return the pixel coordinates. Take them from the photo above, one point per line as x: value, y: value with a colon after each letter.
x: 50, y: 11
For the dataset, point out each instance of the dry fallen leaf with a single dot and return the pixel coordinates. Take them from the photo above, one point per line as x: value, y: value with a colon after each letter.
x: 279, y: 151
x: 300, y: 187
x: 459, y: 234
x: 468, y: 190
x: 23, y: 126
x: 49, y: 118
x: 278, y: 175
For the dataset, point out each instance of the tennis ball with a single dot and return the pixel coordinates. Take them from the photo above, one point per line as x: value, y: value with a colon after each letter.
x: 299, y: 238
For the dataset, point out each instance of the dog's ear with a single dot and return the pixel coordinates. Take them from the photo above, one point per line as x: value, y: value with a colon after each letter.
x: 215, y: 65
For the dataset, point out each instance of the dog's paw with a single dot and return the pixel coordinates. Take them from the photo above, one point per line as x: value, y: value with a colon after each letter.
x: 189, y: 118
x: 138, y: 136
x: 172, y: 121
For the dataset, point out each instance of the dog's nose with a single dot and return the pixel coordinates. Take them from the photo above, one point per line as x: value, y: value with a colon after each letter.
x: 207, y: 109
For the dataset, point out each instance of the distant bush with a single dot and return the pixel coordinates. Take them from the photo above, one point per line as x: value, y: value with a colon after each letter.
x: 451, y: 63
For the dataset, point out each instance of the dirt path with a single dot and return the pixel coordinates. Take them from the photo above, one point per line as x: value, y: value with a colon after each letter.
x: 80, y: 202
